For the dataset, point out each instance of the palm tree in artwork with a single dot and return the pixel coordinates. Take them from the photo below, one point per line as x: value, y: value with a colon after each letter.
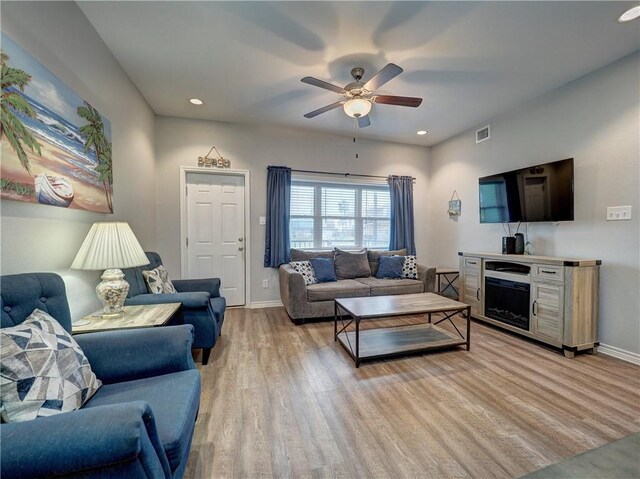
x: 11, y: 101
x: 93, y: 134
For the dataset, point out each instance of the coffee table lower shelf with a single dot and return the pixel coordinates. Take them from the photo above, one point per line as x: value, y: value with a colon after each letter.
x: 398, y: 341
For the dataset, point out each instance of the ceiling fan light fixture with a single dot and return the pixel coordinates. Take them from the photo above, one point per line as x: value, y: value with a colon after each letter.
x: 357, y: 107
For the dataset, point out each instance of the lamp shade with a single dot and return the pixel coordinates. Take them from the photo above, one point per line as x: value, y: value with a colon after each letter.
x: 357, y: 107
x: 109, y: 245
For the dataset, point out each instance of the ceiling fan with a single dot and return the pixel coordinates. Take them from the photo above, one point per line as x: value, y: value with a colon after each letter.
x: 359, y: 96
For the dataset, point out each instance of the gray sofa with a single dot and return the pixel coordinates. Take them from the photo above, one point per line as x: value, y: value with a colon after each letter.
x: 317, y: 300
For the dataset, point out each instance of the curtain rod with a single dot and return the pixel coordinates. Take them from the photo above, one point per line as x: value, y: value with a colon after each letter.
x: 346, y: 175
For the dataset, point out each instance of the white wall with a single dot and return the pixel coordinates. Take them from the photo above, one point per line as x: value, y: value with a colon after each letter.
x: 595, y: 120
x: 45, y: 238
x: 179, y: 142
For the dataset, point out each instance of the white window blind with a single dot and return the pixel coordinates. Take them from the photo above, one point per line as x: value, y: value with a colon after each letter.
x: 324, y: 215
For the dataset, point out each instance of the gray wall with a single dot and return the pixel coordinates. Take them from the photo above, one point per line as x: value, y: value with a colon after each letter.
x: 179, y: 142
x: 45, y: 238
x: 595, y: 120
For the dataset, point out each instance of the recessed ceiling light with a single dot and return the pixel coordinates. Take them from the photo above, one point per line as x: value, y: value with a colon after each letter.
x: 195, y: 101
x: 422, y: 132
x: 630, y: 14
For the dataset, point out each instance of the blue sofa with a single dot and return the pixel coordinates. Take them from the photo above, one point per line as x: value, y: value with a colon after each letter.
x: 139, y: 424
x: 202, y: 305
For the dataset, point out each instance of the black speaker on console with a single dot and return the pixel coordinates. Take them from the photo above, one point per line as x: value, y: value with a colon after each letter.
x: 519, y: 246
x: 508, y: 245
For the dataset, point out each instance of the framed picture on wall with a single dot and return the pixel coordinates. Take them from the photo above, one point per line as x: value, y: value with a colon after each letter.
x: 56, y: 148
x: 455, y: 205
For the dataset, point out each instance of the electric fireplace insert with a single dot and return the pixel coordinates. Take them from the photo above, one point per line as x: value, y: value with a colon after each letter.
x: 507, y: 293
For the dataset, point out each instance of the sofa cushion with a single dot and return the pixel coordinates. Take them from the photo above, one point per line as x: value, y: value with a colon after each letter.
x: 350, y: 265
x: 323, y: 269
x: 174, y: 400
x: 383, y: 287
x: 390, y: 267
x: 24, y: 292
x: 344, y: 288
x: 218, y: 306
x: 374, y: 257
x: 158, y: 281
x: 134, y: 277
x: 306, y: 270
x: 302, y: 255
x: 44, y: 371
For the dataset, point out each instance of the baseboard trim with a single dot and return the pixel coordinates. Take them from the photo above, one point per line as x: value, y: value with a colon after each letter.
x: 620, y: 354
x: 266, y: 304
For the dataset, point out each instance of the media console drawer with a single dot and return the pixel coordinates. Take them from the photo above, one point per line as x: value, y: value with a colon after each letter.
x: 472, y: 263
x: 545, y: 271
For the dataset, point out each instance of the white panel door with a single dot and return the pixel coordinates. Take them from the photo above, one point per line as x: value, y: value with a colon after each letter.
x: 215, y: 232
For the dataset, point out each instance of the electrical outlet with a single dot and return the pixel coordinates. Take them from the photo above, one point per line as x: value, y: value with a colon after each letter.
x: 618, y: 213
x: 263, y: 220
x: 265, y: 283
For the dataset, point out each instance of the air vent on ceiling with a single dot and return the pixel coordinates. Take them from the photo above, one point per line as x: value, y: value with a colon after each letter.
x: 483, y: 134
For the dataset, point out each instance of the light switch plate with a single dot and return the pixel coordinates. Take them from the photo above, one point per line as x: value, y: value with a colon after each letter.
x: 619, y: 213
x: 263, y: 220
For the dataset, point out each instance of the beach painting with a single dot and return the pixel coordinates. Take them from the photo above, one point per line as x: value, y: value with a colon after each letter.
x: 55, y: 148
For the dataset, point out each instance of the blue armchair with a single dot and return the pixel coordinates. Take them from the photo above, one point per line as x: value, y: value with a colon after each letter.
x: 139, y: 424
x: 202, y: 305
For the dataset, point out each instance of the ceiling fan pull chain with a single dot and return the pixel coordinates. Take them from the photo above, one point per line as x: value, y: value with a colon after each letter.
x: 355, y: 134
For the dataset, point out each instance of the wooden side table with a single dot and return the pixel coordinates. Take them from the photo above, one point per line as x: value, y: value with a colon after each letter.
x: 142, y: 316
x: 447, y: 273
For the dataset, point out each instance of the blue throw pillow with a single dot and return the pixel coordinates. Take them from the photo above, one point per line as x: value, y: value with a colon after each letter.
x: 390, y: 267
x: 323, y: 269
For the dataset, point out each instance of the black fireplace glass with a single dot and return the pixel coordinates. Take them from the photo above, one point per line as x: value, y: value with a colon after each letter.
x: 507, y: 301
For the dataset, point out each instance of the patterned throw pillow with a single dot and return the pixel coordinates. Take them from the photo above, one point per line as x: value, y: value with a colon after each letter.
x: 410, y: 267
x: 158, y: 281
x: 43, y: 371
x: 306, y: 270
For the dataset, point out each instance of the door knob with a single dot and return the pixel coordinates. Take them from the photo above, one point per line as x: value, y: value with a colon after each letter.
x: 240, y: 249
x: 241, y: 240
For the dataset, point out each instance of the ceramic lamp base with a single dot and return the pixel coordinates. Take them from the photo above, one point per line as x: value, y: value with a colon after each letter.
x: 112, y: 292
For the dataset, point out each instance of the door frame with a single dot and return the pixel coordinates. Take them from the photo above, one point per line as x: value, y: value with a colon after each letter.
x: 184, y: 171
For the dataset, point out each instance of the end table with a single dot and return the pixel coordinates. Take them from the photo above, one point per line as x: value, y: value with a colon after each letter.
x: 141, y: 316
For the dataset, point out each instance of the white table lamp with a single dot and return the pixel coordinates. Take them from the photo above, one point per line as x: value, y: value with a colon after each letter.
x: 109, y: 247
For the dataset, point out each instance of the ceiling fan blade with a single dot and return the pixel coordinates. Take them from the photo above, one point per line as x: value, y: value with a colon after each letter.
x: 322, y: 84
x: 383, y: 76
x: 398, y: 100
x: 364, y: 121
x: 323, y: 109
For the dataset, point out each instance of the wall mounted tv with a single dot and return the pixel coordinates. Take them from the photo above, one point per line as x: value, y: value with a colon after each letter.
x: 537, y: 193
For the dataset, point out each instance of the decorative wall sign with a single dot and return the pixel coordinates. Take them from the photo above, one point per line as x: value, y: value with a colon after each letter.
x: 55, y: 147
x: 219, y: 162
x: 455, y: 205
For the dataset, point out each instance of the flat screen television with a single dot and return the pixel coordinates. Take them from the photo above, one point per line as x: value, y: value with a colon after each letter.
x: 536, y: 193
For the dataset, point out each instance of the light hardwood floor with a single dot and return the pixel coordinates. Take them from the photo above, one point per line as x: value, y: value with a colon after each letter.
x: 286, y: 401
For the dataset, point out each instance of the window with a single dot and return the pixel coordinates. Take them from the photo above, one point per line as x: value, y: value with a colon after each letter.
x: 493, y: 202
x: 324, y: 215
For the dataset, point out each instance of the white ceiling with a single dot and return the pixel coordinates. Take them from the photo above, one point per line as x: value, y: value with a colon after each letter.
x: 469, y: 60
